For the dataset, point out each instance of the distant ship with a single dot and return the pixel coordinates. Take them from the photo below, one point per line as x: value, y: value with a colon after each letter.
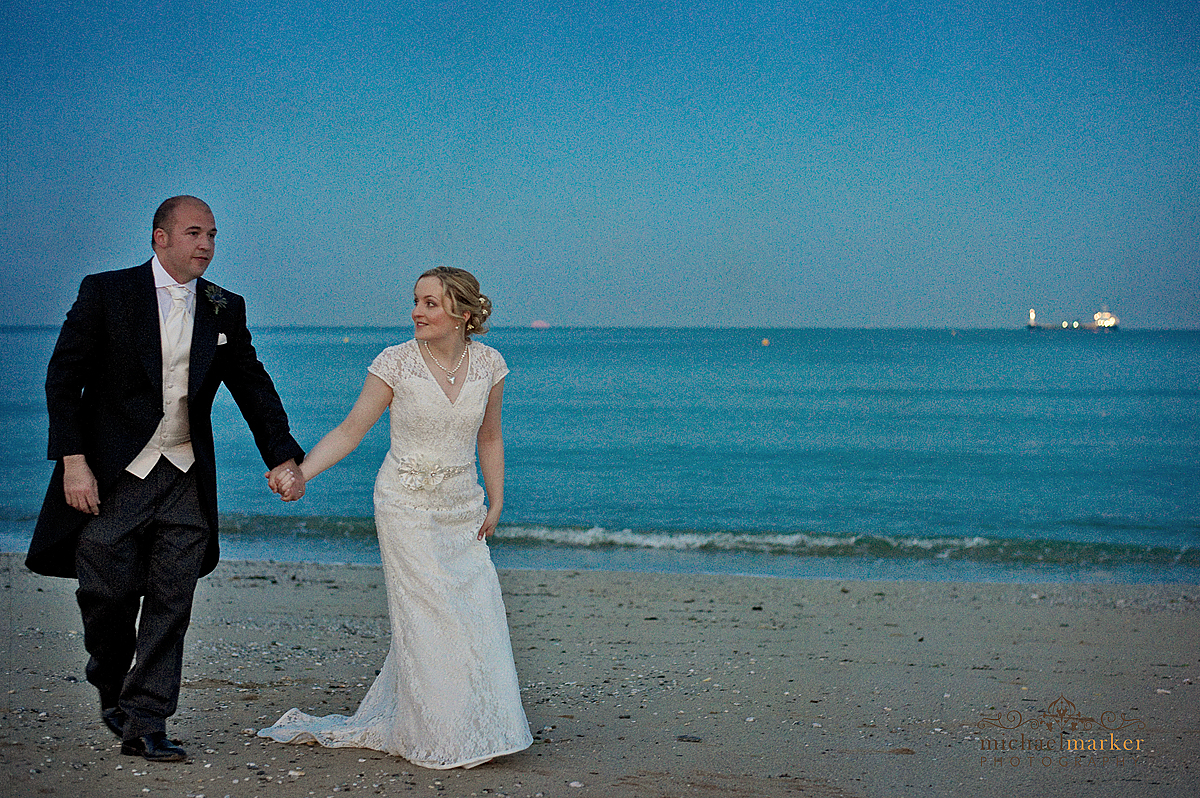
x: 1101, y: 320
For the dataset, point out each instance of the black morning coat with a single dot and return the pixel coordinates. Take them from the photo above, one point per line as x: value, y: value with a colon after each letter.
x: 105, y: 398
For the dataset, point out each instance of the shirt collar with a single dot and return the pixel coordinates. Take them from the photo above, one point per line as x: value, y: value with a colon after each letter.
x: 163, y: 280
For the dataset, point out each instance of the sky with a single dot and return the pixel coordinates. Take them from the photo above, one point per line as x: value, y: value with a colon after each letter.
x: 825, y: 164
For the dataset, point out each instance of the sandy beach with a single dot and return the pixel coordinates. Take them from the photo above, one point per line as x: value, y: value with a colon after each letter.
x: 653, y: 685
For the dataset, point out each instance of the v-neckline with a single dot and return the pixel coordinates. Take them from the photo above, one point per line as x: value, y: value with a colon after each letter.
x: 453, y: 402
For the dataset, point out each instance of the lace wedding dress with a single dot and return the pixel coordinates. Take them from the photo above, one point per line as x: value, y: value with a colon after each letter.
x: 447, y: 695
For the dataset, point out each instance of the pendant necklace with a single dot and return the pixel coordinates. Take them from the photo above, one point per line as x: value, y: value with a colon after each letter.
x: 449, y: 372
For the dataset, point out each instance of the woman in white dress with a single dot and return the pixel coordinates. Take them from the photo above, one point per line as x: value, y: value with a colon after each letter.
x: 447, y: 695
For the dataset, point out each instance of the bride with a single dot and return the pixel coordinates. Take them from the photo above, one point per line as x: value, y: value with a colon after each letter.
x: 447, y: 695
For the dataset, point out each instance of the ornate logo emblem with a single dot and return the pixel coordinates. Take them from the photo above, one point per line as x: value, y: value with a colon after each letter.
x: 1063, y: 715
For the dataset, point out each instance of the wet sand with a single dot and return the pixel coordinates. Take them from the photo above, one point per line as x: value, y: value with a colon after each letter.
x: 653, y: 685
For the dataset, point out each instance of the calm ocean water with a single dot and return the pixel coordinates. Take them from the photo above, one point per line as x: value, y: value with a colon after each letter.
x: 987, y: 455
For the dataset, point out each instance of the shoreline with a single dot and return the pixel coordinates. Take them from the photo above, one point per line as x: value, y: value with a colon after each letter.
x: 648, y: 684
x: 977, y: 561
x: 684, y: 563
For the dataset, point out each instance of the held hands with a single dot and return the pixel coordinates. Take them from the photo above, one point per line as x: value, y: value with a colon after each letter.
x: 287, y: 480
x: 79, y: 485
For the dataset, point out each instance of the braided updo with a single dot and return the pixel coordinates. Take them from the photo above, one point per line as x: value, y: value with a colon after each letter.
x: 463, y: 297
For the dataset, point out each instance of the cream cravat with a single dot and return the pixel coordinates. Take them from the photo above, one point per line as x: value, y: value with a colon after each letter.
x: 176, y: 319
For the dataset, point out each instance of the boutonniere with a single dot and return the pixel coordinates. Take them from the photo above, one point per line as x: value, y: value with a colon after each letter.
x: 217, y: 297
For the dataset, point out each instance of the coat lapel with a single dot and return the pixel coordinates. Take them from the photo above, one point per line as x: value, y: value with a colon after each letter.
x: 204, y: 336
x: 145, y: 325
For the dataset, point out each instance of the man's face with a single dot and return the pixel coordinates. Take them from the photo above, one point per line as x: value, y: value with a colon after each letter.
x: 186, y: 249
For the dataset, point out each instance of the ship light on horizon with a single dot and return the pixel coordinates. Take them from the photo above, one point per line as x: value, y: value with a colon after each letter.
x: 1105, y: 319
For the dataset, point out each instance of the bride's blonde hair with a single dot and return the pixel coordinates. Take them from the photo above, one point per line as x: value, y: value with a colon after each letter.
x: 463, y: 297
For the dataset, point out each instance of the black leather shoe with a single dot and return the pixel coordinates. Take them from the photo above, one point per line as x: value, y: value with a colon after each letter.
x: 114, y: 718
x: 154, y: 747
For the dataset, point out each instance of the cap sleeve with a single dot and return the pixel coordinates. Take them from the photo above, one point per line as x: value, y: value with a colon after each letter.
x: 386, y: 366
x: 499, y: 367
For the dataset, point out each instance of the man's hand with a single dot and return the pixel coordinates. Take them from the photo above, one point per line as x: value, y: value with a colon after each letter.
x: 287, y: 480
x: 79, y: 485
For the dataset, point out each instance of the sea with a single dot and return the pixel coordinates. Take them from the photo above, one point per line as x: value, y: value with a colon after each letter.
x: 1015, y: 455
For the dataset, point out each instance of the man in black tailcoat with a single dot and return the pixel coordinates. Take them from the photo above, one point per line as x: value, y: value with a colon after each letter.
x: 131, y: 511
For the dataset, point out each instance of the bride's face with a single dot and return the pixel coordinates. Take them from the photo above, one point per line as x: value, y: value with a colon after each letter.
x: 430, y: 315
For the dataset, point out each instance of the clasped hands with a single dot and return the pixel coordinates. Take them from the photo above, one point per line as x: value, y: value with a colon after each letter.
x: 287, y: 480
x: 82, y: 492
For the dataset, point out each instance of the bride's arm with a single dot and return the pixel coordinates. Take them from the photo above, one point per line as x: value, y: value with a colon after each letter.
x: 344, y: 438
x: 491, y: 459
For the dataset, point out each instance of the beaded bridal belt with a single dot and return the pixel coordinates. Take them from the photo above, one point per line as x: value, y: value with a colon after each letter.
x: 419, y: 473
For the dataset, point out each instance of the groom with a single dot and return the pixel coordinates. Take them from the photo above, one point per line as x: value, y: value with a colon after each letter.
x: 131, y: 511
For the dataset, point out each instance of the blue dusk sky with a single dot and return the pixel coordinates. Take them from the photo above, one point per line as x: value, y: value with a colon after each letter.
x: 825, y: 164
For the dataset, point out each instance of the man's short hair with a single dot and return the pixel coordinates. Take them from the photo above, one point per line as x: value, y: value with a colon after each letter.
x: 166, y: 212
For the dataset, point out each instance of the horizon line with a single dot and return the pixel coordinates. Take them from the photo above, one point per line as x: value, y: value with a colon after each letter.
x: 939, y: 328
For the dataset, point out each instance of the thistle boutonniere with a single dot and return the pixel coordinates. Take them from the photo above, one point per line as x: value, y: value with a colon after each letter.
x: 217, y: 297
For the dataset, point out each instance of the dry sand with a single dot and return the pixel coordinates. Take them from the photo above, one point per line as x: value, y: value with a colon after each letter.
x: 652, y: 685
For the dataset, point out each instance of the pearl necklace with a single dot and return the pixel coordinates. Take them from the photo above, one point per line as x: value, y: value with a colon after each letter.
x: 449, y: 372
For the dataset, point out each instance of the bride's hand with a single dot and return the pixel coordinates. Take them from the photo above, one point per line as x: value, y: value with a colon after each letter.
x: 489, y: 526
x: 278, y: 481
x: 287, y: 480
